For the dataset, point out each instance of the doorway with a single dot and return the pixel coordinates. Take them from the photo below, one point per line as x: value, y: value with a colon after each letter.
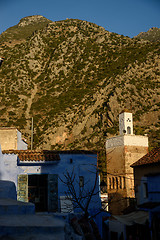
x: 38, y: 191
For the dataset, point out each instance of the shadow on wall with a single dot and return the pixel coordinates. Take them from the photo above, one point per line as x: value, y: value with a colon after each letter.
x: 7, y: 190
x: 118, y: 204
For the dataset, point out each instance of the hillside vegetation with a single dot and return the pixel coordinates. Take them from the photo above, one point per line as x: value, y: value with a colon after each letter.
x: 74, y: 78
x: 153, y: 35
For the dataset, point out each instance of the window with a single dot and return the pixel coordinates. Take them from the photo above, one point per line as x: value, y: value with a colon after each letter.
x: 81, y: 181
x: 116, y: 182
x: 71, y: 160
x: 145, y: 190
x: 113, y: 183
x: 128, y: 130
x: 120, y: 182
x: 124, y: 183
x: 109, y: 183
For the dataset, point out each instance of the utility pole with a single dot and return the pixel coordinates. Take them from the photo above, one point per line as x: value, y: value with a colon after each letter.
x: 32, y: 135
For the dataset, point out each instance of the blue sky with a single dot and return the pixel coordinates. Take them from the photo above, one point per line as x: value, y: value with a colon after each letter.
x: 127, y: 17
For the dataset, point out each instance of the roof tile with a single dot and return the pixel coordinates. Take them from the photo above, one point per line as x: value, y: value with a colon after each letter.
x: 150, y: 158
x: 33, y: 155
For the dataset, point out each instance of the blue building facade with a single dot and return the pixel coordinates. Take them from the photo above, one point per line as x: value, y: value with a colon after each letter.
x: 40, y: 177
x: 147, y: 188
x: 153, y: 184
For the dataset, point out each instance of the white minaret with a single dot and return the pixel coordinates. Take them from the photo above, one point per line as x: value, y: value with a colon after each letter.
x: 121, y: 152
x: 125, y: 123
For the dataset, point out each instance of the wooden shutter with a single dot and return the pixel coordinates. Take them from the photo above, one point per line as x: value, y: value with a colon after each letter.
x: 52, y: 192
x: 22, y: 191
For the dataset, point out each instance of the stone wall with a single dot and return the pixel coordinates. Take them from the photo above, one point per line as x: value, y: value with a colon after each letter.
x: 116, y: 185
x: 127, y: 140
x: 132, y: 154
x: 120, y: 178
x: 10, y: 138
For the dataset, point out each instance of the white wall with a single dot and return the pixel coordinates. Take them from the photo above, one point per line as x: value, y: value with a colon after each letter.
x: 127, y: 140
x: 125, y: 120
x: 21, y: 145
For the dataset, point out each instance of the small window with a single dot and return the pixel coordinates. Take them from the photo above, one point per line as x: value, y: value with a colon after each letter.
x: 145, y: 190
x: 109, y: 183
x: 120, y: 182
x: 71, y: 160
x: 124, y: 183
x: 113, y: 183
x: 128, y: 130
x: 81, y: 181
x: 116, y: 182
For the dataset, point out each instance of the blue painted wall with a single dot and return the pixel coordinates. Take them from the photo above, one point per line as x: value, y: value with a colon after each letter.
x: 154, y: 188
x: 153, y: 185
x: 82, y: 164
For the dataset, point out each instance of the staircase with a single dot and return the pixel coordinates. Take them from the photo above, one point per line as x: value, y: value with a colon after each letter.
x: 18, y: 221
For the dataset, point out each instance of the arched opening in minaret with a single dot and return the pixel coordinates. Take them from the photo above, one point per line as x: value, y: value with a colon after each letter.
x: 128, y: 130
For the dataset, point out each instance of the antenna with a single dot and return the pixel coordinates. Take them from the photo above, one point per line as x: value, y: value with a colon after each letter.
x: 32, y: 135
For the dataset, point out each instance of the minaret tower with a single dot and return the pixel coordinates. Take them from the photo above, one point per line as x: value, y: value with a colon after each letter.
x: 125, y: 123
x: 122, y: 151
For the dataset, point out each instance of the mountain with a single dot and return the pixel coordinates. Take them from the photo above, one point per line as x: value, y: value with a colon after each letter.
x: 153, y: 35
x: 74, y: 78
x: 24, y: 29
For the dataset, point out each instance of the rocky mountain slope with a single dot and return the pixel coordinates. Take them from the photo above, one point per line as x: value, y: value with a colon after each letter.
x: 74, y: 78
x: 153, y: 35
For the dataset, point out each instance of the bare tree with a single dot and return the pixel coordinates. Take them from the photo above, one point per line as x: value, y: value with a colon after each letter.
x: 82, y: 198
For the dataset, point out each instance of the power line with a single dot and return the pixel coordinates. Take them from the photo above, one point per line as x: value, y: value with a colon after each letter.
x: 122, y: 175
x: 116, y: 175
